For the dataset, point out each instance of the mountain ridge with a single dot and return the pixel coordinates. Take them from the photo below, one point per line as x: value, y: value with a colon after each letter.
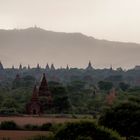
x: 63, y: 48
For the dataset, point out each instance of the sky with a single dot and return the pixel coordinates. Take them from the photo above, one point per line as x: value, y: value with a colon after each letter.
x: 116, y: 20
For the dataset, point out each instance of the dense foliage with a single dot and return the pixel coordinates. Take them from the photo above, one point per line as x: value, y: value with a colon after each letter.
x: 124, y: 118
x: 87, y: 130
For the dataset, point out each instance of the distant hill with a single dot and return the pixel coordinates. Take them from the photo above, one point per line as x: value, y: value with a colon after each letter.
x: 36, y: 45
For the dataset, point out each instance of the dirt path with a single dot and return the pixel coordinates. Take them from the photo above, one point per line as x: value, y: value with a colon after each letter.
x: 21, y: 121
x: 20, y: 135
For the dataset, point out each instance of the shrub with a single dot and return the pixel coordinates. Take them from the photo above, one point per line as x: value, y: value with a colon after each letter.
x: 46, y: 126
x: 8, y: 125
x: 31, y: 127
x: 84, y: 138
x: 85, y: 129
x: 124, y: 118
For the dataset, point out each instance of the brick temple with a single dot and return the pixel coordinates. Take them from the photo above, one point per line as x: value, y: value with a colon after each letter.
x: 35, y: 106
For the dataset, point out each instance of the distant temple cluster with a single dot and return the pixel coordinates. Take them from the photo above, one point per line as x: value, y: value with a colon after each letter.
x: 52, y: 67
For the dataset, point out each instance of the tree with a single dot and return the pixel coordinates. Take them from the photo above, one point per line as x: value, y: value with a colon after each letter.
x: 123, y: 86
x: 124, y: 118
x: 85, y: 130
x: 60, y: 99
x: 104, y: 85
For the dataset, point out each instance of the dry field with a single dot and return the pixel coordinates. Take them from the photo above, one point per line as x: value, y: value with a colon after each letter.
x: 21, y: 121
x: 20, y: 135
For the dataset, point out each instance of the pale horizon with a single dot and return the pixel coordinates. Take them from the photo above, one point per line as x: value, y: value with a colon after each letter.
x: 112, y: 20
x: 115, y: 20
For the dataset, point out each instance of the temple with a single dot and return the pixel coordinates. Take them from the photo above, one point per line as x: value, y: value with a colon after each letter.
x: 47, y: 67
x: 67, y: 68
x: 35, y: 106
x: 43, y: 88
x: 1, y: 66
x: 20, y: 67
x: 89, y: 67
x: 52, y: 67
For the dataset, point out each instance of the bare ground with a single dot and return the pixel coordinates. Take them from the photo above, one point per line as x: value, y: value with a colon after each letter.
x: 21, y: 121
x: 20, y: 135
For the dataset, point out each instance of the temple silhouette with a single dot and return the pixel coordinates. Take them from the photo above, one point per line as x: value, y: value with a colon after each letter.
x: 35, y: 106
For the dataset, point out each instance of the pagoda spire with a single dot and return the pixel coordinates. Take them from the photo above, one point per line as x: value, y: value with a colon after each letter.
x: 20, y: 67
x: 38, y: 66
x: 1, y: 66
x: 28, y: 67
x: 35, y: 94
x: 13, y: 67
x: 52, y: 67
x: 111, y: 68
x: 43, y: 88
x: 89, y: 67
x: 67, y: 68
x: 47, y: 67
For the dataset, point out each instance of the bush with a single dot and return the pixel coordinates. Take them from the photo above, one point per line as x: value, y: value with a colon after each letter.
x: 124, y: 118
x: 85, y: 129
x: 46, y: 126
x: 84, y: 138
x: 31, y: 127
x: 8, y: 111
x: 8, y: 125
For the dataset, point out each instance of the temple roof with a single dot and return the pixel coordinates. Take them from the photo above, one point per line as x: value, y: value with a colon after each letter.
x: 1, y: 66
x: 89, y: 67
x: 47, y: 67
x: 35, y: 94
x: 43, y: 88
x: 52, y: 67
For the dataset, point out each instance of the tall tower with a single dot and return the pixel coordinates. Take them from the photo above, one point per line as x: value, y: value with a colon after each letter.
x: 1, y: 66
x: 38, y: 66
x: 67, y: 68
x: 34, y: 107
x: 47, y: 67
x: 43, y: 88
x: 52, y: 67
x: 89, y: 67
x: 13, y: 67
x: 28, y: 67
x: 20, y: 67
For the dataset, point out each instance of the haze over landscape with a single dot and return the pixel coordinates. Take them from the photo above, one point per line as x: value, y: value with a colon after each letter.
x: 36, y: 45
x: 116, y: 20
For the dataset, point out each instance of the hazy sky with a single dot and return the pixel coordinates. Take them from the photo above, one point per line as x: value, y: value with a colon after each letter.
x: 105, y: 19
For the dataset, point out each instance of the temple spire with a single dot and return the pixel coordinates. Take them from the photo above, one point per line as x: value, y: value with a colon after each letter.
x: 43, y: 88
x: 52, y: 67
x: 89, y: 67
x: 35, y: 94
x: 28, y: 67
x: 67, y: 68
x: 20, y: 67
x: 1, y: 66
x: 13, y: 67
x: 111, y: 68
x: 38, y: 66
x: 47, y: 67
